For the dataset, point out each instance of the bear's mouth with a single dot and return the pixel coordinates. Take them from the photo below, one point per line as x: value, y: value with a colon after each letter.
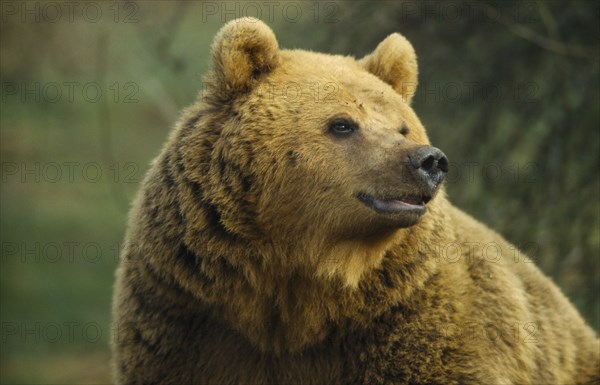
x: 401, y: 204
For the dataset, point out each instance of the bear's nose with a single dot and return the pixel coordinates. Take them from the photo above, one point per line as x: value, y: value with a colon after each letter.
x: 430, y: 165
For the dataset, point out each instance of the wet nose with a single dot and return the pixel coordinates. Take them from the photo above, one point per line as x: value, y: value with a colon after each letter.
x: 429, y: 164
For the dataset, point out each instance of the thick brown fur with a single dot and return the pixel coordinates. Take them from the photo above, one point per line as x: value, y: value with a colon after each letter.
x: 250, y: 260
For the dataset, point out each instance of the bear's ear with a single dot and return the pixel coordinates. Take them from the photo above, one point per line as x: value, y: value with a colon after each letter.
x: 394, y: 61
x: 243, y: 50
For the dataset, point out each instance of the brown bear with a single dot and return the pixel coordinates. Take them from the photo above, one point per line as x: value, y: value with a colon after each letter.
x: 294, y: 230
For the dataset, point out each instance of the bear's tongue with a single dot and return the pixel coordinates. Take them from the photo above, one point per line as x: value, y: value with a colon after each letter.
x: 412, y: 200
x: 398, y: 204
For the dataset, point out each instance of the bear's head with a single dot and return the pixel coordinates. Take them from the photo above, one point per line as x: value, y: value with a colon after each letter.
x: 316, y: 160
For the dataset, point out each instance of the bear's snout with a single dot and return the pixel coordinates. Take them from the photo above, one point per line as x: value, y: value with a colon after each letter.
x: 429, y: 165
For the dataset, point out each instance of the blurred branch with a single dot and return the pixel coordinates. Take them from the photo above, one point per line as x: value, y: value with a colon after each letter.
x: 548, y: 19
x: 158, y: 50
x: 550, y: 44
x: 161, y: 38
x: 104, y: 117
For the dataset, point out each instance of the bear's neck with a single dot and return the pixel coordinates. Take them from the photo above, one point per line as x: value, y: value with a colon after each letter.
x: 287, y: 312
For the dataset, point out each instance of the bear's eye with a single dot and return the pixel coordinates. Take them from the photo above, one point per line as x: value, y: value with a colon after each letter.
x: 342, y: 127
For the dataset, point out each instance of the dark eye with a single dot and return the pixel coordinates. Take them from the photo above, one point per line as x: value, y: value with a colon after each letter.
x: 342, y: 127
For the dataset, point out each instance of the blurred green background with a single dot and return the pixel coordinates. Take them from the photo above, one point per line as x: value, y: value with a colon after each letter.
x: 90, y: 90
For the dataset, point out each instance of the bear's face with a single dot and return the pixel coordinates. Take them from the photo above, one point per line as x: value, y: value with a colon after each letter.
x: 337, y: 153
